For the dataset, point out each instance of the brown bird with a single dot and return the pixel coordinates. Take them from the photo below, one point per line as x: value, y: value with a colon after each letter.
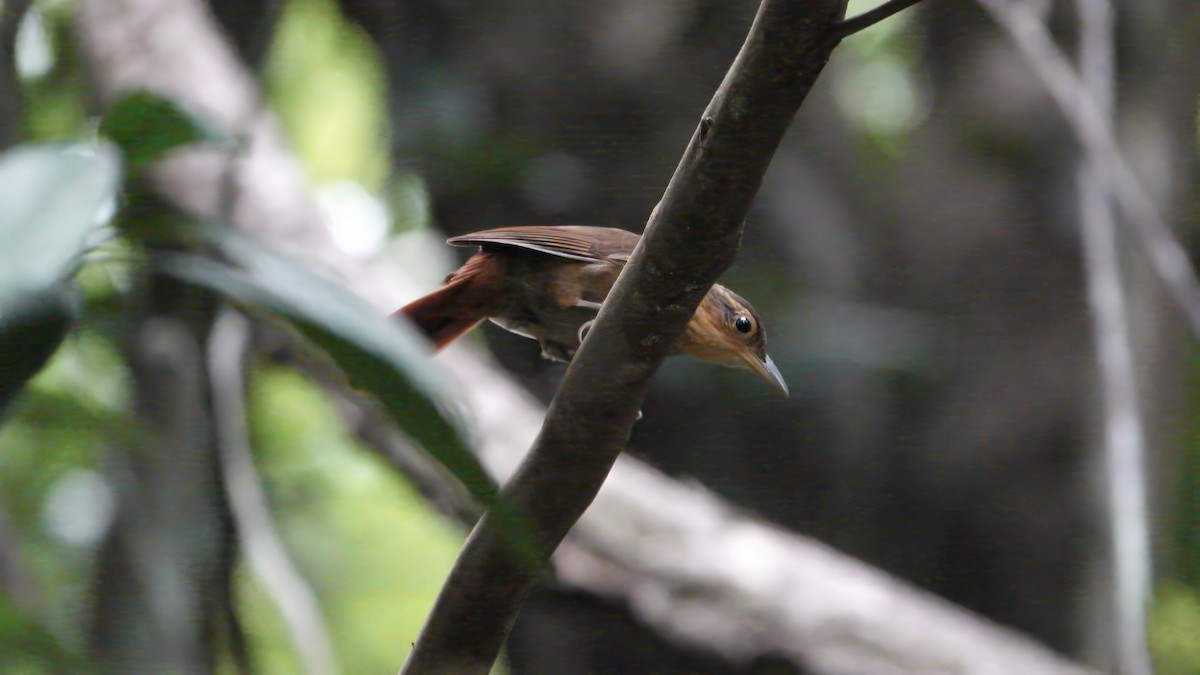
x: 547, y: 283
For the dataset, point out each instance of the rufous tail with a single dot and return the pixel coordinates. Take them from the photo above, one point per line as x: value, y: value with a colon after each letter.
x: 469, y: 296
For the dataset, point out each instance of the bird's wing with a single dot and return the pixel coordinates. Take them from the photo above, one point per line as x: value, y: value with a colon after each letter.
x: 575, y: 242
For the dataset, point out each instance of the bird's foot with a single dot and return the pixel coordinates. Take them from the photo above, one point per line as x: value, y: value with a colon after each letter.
x: 584, y: 329
x: 556, y: 351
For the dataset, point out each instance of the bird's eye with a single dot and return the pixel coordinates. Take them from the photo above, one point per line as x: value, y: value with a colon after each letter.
x: 743, y: 324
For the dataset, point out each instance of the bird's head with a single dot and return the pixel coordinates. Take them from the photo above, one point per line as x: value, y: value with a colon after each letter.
x: 726, y: 330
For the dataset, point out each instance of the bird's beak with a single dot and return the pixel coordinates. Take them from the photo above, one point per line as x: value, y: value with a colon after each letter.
x: 767, y: 370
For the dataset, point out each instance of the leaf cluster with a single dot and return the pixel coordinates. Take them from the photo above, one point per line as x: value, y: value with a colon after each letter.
x: 56, y: 199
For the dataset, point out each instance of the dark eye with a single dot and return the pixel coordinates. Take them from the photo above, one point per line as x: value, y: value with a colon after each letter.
x: 743, y: 324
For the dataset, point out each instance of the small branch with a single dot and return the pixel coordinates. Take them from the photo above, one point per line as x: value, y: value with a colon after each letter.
x: 844, y: 29
x: 259, y: 535
x: 1094, y: 131
x: 1124, y: 437
x: 691, y: 238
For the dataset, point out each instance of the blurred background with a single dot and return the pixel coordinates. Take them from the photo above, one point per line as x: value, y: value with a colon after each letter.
x: 914, y: 252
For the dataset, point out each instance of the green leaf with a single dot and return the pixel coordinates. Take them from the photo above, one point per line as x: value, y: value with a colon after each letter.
x: 52, y: 198
x: 32, y: 330
x: 146, y: 126
x: 381, y: 356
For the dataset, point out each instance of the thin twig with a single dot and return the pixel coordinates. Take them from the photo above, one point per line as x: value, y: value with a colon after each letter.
x: 1094, y: 131
x: 844, y: 29
x: 265, y: 550
x: 1124, y: 437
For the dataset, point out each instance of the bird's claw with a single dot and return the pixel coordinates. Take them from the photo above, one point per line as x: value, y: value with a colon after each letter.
x: 554, y: 351
x: 584, y: 329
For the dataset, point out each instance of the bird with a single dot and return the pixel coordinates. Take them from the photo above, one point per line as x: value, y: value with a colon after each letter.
x: 547, y: 282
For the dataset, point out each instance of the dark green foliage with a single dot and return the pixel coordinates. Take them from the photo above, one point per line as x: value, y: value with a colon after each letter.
x: 31, y: 330
x: 51, y: 198
x: 378, y: 355
x: 146, y: 126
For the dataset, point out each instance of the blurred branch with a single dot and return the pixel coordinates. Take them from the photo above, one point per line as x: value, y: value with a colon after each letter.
x: 848, y: 27
x: 691, y: 238
x: 1093, y: 128
x: 12, y: 13
x: 161, y: 563
x: 191, y: 62
x: 1124, y: 437
x: 709, y: 576
x: 824, y: 610
x: 15, y: 581
x: 363, y: 417
x: 372, y: 425
x: 265, y: 550
x: 250, y: 24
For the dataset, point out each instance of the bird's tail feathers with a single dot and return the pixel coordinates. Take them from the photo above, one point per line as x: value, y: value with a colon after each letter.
x: 449, y: 312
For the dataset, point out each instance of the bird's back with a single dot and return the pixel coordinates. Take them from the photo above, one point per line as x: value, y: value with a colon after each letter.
x: 574, y: 242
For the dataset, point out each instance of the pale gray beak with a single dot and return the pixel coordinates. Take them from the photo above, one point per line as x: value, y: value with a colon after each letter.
x: 768, y: 371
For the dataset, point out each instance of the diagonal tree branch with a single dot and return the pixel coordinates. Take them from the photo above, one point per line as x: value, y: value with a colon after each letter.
x: 691, y: 238
x: 1093, y: 129
x: 845, y: 29
x: 261, y: 540
x: 174, y: 48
